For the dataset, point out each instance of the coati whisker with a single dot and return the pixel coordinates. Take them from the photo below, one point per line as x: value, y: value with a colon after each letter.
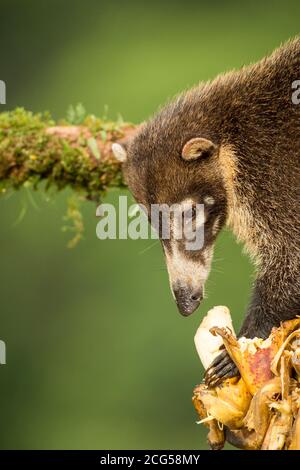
x: 148, y: 247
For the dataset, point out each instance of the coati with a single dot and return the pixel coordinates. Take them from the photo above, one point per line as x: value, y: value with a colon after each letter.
x: 232, y: 144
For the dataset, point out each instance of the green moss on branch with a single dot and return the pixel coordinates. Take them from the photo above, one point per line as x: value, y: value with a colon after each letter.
x: 33, y: 148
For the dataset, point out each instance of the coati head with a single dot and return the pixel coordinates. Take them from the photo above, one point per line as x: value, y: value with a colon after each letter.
x: 173, y: 159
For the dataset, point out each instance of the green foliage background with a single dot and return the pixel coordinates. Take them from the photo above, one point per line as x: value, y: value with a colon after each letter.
x: 97, y: 355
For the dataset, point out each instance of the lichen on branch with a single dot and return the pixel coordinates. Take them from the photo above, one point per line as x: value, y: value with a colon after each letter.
x: 33, y: 148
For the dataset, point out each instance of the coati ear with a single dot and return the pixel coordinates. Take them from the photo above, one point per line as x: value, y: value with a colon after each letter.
x: 119, y: 151
x: 197, y: 147
x: 120, y: 148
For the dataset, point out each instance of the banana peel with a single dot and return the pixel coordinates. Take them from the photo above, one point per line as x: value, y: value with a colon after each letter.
x: 215, y: 437
x: 227, y: 403
x: 294, y: 443
x: 261, y: 409
x: 253, y: 357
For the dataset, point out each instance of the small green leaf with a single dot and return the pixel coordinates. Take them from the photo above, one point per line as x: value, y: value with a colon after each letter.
x: 103, y: 134
x: 93, y: 146
x: 21, y: 214
x: 77, y: 114
x: 80, y: 112
x: 71, y: 115
x: 120, y: 120
x: 105, y: 112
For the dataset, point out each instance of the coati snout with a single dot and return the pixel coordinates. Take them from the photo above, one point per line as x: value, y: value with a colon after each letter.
x: 187, y: 255
x: 187, y: 299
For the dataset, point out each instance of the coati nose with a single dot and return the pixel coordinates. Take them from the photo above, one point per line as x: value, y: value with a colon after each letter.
x: 187, y: 299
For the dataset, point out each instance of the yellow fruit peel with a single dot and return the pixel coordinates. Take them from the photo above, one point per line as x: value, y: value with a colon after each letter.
x: 260, y: 409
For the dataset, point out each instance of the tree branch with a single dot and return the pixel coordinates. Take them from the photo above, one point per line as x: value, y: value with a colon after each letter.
x: 33, y: 148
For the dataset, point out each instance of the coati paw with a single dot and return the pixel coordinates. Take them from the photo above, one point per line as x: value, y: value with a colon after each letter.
x: 221, y: 368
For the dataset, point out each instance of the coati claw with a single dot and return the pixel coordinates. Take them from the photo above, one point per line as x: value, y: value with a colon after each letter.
x: 217, y: 361
x: 222, y: 368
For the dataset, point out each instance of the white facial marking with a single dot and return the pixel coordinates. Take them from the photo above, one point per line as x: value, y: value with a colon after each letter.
x: 188, y: 224
x: 185, y: 271
x: 182, y: 269
x: 176, y: 223
x: 188, y: 204
x: 209, y: 200
x: 119, y: 152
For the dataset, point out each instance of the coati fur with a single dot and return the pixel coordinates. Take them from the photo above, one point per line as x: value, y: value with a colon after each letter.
x: 252, y: 174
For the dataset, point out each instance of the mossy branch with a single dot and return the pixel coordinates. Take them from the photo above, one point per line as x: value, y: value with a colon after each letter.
x: 33, y: 148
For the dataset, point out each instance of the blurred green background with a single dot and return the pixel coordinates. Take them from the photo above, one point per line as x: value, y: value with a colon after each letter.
x: 97, y: 354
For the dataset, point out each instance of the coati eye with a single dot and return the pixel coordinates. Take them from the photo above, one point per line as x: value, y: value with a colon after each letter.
x: 189, y: 215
